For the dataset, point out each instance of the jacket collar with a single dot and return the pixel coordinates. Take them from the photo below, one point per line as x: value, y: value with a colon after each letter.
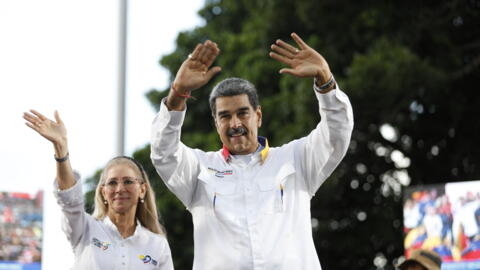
x: 263, y: 153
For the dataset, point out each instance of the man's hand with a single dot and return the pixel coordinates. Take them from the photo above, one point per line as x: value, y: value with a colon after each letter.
x: 195, y: 71
x: 303, y: 62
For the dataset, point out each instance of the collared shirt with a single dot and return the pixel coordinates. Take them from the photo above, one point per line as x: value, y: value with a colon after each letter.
x: 254, y: 214
x: 98, y: 245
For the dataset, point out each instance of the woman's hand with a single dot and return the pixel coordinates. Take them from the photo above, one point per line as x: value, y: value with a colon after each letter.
x: 54, y: 131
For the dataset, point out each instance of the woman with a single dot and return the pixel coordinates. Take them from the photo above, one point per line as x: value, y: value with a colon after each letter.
x: 123, y: 232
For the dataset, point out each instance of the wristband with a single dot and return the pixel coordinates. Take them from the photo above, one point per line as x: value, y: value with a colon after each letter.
x: 60, y: 160
x: 176, y: 93
x: 326, y: 85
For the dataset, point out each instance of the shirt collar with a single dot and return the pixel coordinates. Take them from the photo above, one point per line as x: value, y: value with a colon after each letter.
x: 263, y: 153
x: 113, y: 228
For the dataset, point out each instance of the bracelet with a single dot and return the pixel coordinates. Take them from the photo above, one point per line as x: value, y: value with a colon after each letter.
x: 176, y: 93
x: 60, y: 160
x: 326, y: 85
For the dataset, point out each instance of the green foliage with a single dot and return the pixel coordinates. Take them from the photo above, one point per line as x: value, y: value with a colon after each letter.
x: 413, y: 65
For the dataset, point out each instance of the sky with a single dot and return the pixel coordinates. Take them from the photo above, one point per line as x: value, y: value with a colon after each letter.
x: 63, y: 55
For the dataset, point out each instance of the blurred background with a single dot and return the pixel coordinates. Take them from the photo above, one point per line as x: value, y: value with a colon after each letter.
x: 410, y: 68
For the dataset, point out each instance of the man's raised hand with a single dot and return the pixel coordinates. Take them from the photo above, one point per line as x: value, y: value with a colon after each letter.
x: 196, y: 70
x: 302, y: 61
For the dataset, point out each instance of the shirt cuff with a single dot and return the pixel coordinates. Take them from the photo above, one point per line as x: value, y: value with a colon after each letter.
x: 174, y: 118
x: 331, y: 98
x: 70, y: 196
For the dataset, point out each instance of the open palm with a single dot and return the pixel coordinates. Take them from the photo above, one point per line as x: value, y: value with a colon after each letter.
x: 53, y: 131
x: 302, y: 62
x: 197, y: 70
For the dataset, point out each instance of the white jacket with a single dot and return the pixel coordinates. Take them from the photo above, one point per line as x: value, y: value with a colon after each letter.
x: 253, y: 215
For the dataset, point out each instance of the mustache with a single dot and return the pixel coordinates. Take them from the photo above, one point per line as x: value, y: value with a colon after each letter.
x: 236, y: 131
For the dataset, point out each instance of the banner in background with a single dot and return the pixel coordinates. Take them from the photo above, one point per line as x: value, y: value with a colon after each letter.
x: 446, y: 219
x: 21, y: 233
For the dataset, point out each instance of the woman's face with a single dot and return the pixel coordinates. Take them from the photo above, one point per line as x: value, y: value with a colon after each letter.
x: 122, y: 189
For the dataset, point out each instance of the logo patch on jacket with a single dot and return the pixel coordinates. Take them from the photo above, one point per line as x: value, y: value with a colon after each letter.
x: 147, y: 259
x: 220, y: 174
x: 100, y: 244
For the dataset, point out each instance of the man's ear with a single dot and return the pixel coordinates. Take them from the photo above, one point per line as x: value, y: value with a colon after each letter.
x: 259, y: 116
x: 214, y: 120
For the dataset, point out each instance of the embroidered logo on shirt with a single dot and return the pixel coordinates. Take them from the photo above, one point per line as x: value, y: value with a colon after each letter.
x: 100, y: 244
x: 220, y: 174
x: 147, y: 259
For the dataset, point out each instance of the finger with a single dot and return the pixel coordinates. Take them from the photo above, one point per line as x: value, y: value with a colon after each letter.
x: 299, y: 41
x: 194, y: 54
x: 29, y: 117
x: 39, y: 115
x: 57, y: 117
x: 211, y: 55
x: 282, y: 51
x: 206, y: 52
x: 31, y: 126
x: 287, y: 71
x: 286, y: 46
x: 280, y: 58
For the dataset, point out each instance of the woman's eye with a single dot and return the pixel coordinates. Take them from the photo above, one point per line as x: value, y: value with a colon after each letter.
x: 128, y: 182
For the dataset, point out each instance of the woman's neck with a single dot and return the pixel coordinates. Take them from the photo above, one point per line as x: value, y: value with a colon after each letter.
x: 125, y: 223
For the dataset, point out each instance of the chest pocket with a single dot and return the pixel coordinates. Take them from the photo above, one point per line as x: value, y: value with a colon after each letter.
x: 275, y: 191
x: 219, y: 196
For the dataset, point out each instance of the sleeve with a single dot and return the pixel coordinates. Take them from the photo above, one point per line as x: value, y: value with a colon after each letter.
x: 175, y: 163
x: 322, y: 150
x: 71, y: 204
x: 166, y: 262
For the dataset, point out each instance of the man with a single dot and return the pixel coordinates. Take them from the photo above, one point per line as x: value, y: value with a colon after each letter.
x: 250, y: 203
x: 422, y: 259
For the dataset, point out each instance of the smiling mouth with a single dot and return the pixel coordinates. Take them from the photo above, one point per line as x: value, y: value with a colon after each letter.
x: 237, y: 132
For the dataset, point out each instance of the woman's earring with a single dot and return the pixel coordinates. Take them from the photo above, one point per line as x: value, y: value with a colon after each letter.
x: 105, y: 202
x: 142, y: 200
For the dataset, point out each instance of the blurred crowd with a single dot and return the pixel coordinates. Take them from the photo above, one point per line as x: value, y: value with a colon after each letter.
x: 20, y: 227
x: 451, y: 228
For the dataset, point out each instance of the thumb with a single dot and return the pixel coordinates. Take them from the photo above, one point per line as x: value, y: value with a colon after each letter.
x: 286, y: 71
x: 213, y: 71
x: 57, y: 117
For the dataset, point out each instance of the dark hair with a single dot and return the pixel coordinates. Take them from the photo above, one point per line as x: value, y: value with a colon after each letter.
x: 233, y: 87
x: 408, y: 264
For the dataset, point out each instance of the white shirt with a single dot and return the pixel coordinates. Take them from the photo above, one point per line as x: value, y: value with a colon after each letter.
x: 253, y: 215
x: 98, y: 245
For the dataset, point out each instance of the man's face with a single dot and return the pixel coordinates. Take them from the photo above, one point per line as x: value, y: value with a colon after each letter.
x: 237, y: 123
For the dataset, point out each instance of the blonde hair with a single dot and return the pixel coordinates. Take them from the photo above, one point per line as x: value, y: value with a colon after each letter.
x: 146, y: 212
